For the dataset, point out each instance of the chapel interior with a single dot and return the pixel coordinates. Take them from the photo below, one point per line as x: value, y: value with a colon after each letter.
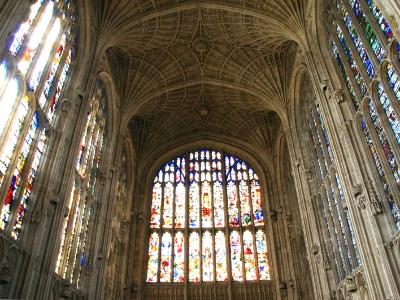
x: 200, y: 149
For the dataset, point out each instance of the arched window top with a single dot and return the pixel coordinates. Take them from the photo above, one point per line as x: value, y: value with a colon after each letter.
x: 217, y: 198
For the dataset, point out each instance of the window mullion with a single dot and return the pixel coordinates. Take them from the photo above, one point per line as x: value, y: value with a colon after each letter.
x: 253, y: 225
x: 173, y: 223
x: 227, y: 229
x: 161, y: 231
x: 240, y: 229
x: 200, y: 229
x: 213, y: 231
x: 186, y: 228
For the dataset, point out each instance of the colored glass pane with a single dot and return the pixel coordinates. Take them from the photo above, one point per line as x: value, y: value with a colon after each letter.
x: 320, y: 121
x: 353, y: 66
x: 344, y: 75
x: 220, y: 257
x: 393, y: 80
x: 168, y: 205
x: 3, y: 74
x: 233, y: 209
x: 194, y: 257
x: 384, y: 141
x: 156, y: 206
x: 236, y: 256
x: 208, y: 257
x: 53, y: 102
x: 16, y: 178
x: 165, y: 261
x: 368, y: 30
x: 262, y: 255
x: 23, y: 29
x: 9, y: 146
x: 179, y: 257
x: 249, y: 256
x: 245, y: 203
x: 44, y: 54
x: 257, y: 203
x: 390, y: 114
x: 386, y: 188
x: 382, y: 23
x: 194, y: 205
x: 7, y: 101
x: 55, y: 63
x: 219, y: 211
x: 152, y: 265
x: 26, y: 195
x: 180, y: 213
x: 357, y: 42
x: 206, y: 208
x: 36, y: 38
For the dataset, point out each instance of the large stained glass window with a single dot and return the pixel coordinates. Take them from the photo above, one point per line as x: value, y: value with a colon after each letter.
x: 362, y: 41
x: 207, y: 214
x: 72, y: 255
x: 41, y: 49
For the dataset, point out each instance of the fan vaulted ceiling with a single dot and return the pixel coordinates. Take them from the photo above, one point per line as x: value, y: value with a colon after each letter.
x: 183, y: 67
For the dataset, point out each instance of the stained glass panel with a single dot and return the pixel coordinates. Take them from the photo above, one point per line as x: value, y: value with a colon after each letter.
x: 156, y: 206
x: 249, y: 257
x: 262, y: 254
x: 180, y: 212
x: 194, y: 257
x: 219, y: 211
x: 220, y: 256
x: 168, y: 204
x: 206, y: 209
x: 208, y: 257
x: 36, y: 38
x: 236, y: 256
x: 382, y: 23
x: 194, y: 205
x: 152, y: 266
x: 233, y: 209
x: 179, y: 257
x: 165, y: 262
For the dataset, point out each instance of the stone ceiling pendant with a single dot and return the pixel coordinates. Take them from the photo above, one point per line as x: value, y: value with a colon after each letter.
x: 200, y: 43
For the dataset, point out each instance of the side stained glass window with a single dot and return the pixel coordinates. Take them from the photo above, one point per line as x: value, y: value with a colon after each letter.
x: 335, y: 219
x: 72, y: 255
x: 38, y: 49
x: 361, y: 42
x: 199, y: 197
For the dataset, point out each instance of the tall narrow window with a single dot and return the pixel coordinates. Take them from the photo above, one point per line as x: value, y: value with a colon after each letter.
x: 72, y: 252
x: 360, y: 43
x: 213, y: 201
x: 339, y: 236
x: 42, y: 50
